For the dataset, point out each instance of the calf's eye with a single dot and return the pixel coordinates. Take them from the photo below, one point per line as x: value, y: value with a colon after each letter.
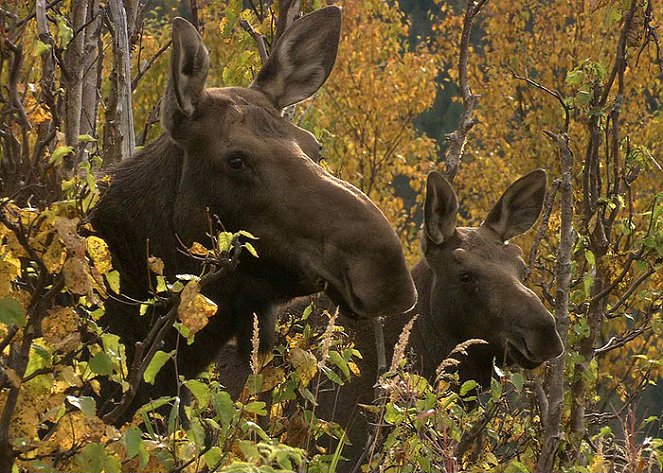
x: 465, y: 278
x: 236, y: 162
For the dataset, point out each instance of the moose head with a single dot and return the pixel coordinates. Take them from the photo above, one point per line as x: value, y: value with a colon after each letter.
x: 257, y: 171
x: 475, y: 284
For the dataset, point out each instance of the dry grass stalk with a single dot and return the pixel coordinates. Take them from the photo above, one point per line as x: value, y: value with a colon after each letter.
x: 401, y: 345
x: 460, y: 349
x: 255, y: 346
x: 327, y: 339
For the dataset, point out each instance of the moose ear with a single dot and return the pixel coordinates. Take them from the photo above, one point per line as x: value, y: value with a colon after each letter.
x: 189, y: 64
x: 440, y: 209
x: 519, y: 206
x: 302, y: 58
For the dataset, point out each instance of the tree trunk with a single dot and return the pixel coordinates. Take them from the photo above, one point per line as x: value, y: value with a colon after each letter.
x: 555, y: 375
x: 119, y: 137
x: 74, y: 66
x: 91, y: 71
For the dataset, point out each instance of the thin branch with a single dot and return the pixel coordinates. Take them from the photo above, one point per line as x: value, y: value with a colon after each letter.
x: 456, y: 140
x: 543, y: 228
x: 153, y: 59
x: 553, y: 93
x: 258, y: 38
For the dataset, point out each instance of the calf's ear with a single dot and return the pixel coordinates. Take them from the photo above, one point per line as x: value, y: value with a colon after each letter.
x: 519, y: 207
x: 440, y: 209
x: 189, y: 63
x: 302, y: 58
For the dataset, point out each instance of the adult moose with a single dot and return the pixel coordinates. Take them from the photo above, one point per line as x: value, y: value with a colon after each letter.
x: 470, y: 285
x: 227, y: 152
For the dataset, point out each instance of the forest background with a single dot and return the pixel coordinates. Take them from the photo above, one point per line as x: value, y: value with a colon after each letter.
x: 485, y: 91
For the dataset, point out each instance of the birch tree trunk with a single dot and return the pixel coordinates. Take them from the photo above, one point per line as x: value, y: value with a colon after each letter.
x: 119, y: 136
x: 91, y: 71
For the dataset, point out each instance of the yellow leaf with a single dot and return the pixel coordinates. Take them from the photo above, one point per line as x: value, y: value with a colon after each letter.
x: 98, y: 251
x: 305, y: 364
x: 198, y: 249
x: 271, y: 377
x: 55, y: 256
x: 194, y: 308
x: 156, y: 265
x: 60, y: 329
x: 10, y: 269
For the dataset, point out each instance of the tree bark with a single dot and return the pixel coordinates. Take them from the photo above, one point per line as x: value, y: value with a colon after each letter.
x: 119, y: 135
x: 91, y: 71
x: 74, y: 67
x: 555, y: 375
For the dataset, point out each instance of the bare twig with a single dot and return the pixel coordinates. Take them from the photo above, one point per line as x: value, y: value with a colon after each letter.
x: 259, y: 39
x: 153, y: 59
x: 456, y: 140
x: 543, y: 228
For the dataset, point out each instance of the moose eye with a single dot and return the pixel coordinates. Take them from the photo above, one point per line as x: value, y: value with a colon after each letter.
x: 465, y: 278
x: 236, y: 162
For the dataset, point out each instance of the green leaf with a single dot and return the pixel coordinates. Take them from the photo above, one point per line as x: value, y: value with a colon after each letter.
x: 200, y: 391
x: 516, y: 467
x: 65, y: 32
x: 11, y: 312
x: 339, y: 361
x: 213, y: 456
x: 250, y: 249
x: 94, y: 457
x: 307, y: 312
x: 331, y: 375
x: 86, y: 138
x: 155, y: 404
x: 86, y: 404
x: 113, y: 280
x: 224, y: 241
x: 133, y: 440
x: 468, y: 386
x: 248, y: 235
x: 41, y: 48
x: 59, y: 153
x: 495, y: 389
x: 160, y: 358
x: 161, y: 284
x: 101, y: 364
x: 256, y: 407
x: 518, y: 381
x: 224, y: 407
x: 196, y: 433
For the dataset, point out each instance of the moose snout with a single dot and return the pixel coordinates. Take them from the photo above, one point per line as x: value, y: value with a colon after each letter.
x: 373, y: 280
x: 541, y: 339
x: 381, y: 285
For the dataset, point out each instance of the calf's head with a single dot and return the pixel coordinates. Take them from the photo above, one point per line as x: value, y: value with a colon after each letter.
x: 477, y: 286
x: 258, y: 172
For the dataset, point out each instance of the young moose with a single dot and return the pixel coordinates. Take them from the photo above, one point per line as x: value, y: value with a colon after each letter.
x: 470, y: 285
x: 227, y: 152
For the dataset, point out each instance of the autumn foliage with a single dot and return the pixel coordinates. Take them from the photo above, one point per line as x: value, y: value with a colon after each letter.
x: 572, y: 87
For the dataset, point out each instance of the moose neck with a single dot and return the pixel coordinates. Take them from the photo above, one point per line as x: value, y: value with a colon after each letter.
x: 137, y: 218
